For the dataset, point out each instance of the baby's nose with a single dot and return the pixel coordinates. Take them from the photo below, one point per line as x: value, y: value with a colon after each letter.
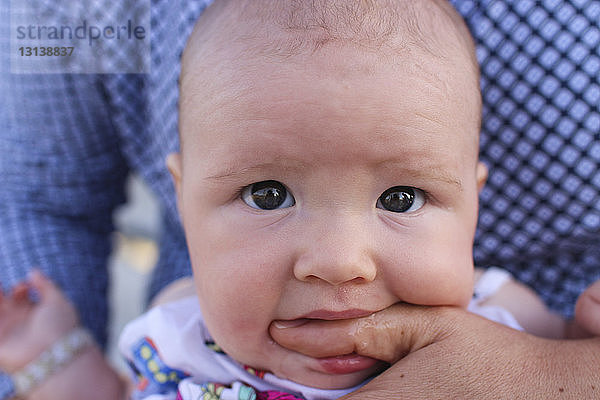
x: 341, y: 253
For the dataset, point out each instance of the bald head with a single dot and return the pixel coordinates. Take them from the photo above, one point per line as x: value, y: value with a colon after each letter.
x: 234, y: 37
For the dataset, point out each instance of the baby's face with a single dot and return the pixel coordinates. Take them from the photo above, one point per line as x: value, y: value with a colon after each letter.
x: 329, y: 188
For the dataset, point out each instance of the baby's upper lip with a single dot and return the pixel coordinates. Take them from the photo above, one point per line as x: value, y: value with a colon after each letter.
x: 334, y: 315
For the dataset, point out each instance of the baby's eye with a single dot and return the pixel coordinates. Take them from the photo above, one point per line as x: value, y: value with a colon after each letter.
x: 401, y: 199
x: 267, y: 195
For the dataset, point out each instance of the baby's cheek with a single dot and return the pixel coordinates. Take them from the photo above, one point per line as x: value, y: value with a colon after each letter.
x: 434, y: 281
x: 451, y: 291
x: 234, y: 322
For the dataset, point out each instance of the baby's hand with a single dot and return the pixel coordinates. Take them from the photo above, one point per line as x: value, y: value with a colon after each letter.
x: 587, y: 309
x: 27, y: 328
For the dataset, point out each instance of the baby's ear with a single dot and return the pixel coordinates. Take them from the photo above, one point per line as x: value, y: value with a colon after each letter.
x: 482, y: 174
x: 174, y: 166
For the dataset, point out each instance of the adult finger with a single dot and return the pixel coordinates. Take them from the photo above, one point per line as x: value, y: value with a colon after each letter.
x: 20, y: 293
x: 387, y: 335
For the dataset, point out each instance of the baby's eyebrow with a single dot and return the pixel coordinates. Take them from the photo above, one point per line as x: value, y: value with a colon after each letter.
x: 440, y: 175
x: 231, y: 173
x: 429, y: 172
x: 447, y: 178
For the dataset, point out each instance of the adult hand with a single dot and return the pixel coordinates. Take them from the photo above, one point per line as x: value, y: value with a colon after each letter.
x: 449, y: 353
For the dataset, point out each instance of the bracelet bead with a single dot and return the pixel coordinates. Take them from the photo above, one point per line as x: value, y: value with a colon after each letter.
x: 50, y: 361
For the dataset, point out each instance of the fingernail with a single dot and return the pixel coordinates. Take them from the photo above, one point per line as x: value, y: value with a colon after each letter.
x: 285, y: 324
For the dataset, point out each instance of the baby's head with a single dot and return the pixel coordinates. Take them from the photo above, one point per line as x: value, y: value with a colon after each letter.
x: 328, y: 168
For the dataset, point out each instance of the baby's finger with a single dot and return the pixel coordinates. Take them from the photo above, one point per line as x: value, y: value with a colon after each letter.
x: 50, y: 296
x: 45, y: 288
x: 20, y: 293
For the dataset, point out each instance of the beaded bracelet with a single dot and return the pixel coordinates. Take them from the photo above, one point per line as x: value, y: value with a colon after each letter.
x: 50, y: 361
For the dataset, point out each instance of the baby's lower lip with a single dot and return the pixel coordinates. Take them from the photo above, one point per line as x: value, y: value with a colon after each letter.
x: 346, y: 364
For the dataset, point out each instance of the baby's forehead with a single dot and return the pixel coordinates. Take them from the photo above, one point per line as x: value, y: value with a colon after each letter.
x: 279, y: 30
x: 277, y: 113
x: 238, y: 39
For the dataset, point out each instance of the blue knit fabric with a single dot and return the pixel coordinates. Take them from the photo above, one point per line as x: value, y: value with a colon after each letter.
x: 68, y: 141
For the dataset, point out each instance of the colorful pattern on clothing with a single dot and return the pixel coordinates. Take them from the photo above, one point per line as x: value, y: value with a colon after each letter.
x: 256, y: 372
x: 275, y: 395
x: 152, y: 375
x: 237, y: 391
x: 212, y: 391
x: 211, y: 344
